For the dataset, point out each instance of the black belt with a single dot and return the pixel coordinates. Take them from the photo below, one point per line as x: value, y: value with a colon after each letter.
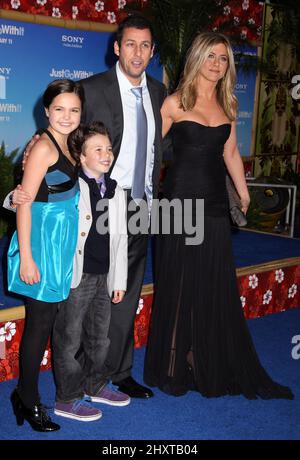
x: 63, y: 187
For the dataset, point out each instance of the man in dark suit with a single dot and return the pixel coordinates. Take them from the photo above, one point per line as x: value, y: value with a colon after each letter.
x: 109, y: 98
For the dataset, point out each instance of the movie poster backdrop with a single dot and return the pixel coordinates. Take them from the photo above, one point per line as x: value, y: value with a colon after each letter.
x: 33, y: 54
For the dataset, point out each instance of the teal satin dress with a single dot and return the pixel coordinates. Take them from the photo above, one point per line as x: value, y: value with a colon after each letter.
x: 53, y: 235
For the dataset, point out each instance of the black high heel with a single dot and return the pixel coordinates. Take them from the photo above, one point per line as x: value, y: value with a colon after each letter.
x: 37, y: 416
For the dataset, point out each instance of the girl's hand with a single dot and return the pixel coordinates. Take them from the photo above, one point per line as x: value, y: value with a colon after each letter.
x: 29, y: 272
x: 118, y: 296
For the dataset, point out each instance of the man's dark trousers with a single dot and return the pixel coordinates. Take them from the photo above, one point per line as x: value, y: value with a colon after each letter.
x: 121, y: 333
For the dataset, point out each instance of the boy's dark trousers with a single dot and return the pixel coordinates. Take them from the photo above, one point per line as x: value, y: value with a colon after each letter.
x: 82, y: 323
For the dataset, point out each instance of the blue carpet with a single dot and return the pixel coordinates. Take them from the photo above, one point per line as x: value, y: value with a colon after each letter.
x: 250, y: 248
x: 190, y: 417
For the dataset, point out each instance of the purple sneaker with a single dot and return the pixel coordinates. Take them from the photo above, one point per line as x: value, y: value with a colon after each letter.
x: 109, y: 395
x: 78, y: 410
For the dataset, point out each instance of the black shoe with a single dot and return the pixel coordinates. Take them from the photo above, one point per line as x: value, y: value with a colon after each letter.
x: 37, y: 416
x: 133, y: 389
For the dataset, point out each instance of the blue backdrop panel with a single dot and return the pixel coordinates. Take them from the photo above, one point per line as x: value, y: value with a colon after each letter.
x: 245, y: 92
x: 31, y: 56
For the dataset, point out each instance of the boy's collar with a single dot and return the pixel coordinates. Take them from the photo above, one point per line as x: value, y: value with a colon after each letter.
x: 90, y: 176
x: 106, y: 179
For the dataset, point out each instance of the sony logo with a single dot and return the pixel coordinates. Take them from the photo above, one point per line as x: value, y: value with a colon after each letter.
x: 5, y: 70
x: 241, y: 86
x: 71, y: 39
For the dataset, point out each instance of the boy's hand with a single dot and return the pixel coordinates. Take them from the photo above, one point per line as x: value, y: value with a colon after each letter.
x: 20, y: 196
x: 118, y: 296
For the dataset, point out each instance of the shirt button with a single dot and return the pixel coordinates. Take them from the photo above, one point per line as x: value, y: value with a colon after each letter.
x: 79, y: 251
x: 88, y: 217
x: 82, y: 233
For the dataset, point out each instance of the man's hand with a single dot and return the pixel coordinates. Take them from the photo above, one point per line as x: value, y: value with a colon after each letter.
x: 27, y: 151
x: 118, y: 296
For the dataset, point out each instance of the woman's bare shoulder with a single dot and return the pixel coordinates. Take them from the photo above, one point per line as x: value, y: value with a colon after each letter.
x: 173, y: 100
x: 43, y: 146
x: 171, y: 105
x: 43, y: 152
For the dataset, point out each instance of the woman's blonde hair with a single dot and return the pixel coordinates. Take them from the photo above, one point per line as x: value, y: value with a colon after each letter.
x: 197, y: 54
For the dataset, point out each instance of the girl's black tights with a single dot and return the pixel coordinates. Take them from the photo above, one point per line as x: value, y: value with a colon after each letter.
x: 38, y: 326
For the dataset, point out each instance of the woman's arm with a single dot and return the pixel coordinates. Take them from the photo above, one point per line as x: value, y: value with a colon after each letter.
x: 168, y: 111
x: 235, y: 168
x: 41, y: 157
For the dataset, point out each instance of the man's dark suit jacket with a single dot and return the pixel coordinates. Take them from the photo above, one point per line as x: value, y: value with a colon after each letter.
x: 103, y: 103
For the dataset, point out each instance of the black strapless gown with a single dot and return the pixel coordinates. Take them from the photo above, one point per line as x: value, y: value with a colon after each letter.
x: 199, y: 339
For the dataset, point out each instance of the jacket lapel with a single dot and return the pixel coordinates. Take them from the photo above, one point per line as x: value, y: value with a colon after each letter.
x: 155, y: 104
x: 114, y: 103
x: 85, y: 204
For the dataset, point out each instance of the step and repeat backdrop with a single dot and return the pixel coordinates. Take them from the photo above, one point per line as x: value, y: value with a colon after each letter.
x: 34, y: 54
x: 245, y: 93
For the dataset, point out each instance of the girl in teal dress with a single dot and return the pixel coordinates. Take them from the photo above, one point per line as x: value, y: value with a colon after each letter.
x: 41, y: 251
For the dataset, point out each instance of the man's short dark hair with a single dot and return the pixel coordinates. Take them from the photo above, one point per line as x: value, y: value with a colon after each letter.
x: 136, y: 21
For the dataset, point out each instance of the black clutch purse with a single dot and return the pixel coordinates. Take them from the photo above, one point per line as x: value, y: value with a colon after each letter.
x: 237, y: 216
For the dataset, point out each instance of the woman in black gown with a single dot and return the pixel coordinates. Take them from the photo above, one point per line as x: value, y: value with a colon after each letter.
x: 199, y: 338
